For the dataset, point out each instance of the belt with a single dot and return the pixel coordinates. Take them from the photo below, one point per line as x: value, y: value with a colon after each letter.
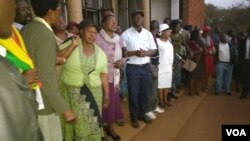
x: 224, y: 62
x: 138, y: 65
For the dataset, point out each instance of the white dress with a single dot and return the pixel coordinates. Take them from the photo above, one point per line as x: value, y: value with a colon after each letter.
x: 166, y: 58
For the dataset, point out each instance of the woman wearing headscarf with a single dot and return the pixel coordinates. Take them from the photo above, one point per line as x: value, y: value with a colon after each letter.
x: 209, y: 56
x: 84, y: 85
x: 112, y: 44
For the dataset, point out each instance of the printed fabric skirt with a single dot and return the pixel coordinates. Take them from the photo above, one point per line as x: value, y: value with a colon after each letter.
x: 86, y: 102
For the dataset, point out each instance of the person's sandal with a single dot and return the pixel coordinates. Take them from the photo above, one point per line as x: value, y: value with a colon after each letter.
x: 206, y: 90
x: 120, y: 122
x: 197, y: 93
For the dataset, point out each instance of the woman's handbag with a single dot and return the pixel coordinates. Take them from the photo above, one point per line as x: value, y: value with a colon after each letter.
x: 154, y: 70
x: 189, y: 65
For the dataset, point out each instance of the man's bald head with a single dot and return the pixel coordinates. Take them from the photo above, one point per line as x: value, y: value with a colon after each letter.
x: 7, y: 14
x: 23, y: 12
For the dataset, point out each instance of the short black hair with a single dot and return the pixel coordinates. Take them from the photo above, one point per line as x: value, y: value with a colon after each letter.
x: 188, y: 27
x: 41, y: 7
x: 137, y: 12
x: 195, y: 35
x: 165, y: 20
x: 154, y: 24
x: 174, y: 24
x: 17, y: 1
x: 87, y: 23
x: 106, y: 17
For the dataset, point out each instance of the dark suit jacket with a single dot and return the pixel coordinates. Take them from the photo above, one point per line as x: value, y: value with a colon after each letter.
x: 41, y: 45
x: 232, y: 51
x: 242, y: 49
x: 18, y: 107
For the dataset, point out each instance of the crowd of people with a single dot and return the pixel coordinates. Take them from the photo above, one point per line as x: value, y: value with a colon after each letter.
x: 65, y: 82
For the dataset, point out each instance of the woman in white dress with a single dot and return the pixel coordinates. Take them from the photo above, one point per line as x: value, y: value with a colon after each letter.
x: 166, y: 57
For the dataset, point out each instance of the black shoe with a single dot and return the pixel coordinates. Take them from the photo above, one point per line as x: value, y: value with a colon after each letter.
x: 178, y: 87
x: 105, y: 139
x: 216, y: 93
x: 174, y: 96
x: 177, y: 91
x: 197, y: 93
x: 114, y: 137
x: 190, y: 94
x: 146, y: 120
x: 169, y: 98
x: 120, y: 122
x: 228, y: 93
x: 168, y: 103
x: 135, y: 124
x: 162, y: 105
x: 243, y: 97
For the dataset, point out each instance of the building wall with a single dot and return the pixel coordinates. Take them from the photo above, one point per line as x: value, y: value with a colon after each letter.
x: 193, y: 12
x: 175, y: 9
x: 160, y: 9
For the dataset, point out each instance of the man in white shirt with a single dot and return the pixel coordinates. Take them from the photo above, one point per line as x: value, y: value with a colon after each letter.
x: 23, y: 14
x: 140, y: 46
x: 226, y: 56
x: 244, y: 60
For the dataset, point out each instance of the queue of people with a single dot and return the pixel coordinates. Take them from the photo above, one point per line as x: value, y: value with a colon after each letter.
x: 81, y: 69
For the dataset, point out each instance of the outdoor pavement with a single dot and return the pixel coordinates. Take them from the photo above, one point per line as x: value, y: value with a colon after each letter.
x: 196, y: 118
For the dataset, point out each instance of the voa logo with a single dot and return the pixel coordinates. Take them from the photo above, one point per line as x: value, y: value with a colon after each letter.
x: 236, y: 132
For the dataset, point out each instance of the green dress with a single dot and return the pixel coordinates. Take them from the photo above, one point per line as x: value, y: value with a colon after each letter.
x: 87, y: 127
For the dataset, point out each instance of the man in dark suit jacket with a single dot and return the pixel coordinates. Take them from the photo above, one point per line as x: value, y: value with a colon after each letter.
x: 244, y: 60
x: 41, y: 45
x: 18, y: 106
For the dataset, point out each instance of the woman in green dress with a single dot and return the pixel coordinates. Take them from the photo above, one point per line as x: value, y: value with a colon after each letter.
x: 84, y: 85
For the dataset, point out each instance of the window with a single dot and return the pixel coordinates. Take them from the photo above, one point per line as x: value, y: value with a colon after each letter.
x: 92, y: 9
x: 125, y: 8
x: 64, y: 10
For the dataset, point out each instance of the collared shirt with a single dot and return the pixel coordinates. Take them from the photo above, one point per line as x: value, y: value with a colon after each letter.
x: 72, y: 73
x: 224, y: 52
x: 248, y: 49
x: 109, y: 49
x: 44, y: 22
x: 18, y: 26
x: 135, y: 40
x: 59, y: 41
x: 41, y: 45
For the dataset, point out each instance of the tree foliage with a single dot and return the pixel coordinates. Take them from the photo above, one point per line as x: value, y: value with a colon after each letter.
x: 236, y: 17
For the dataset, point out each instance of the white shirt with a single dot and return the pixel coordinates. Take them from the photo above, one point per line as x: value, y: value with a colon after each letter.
x: 135, y: 40
x: 247, y: 49
x: 166, y: 56
x: 44, y: 22
x: 224, y: 52
x: 18, y: 26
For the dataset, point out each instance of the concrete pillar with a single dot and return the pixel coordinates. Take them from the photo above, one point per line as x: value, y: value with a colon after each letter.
x: 146, y: 11
x: 75, y: 12
x: 175, y: 9
x: 115, y: 8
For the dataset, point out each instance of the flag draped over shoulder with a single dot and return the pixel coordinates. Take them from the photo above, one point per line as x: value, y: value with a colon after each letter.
x: 13, y: 50
x: 16, y: 52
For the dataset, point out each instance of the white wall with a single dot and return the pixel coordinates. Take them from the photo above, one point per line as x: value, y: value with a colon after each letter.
x: 160, y: 9
x: 175, y: 9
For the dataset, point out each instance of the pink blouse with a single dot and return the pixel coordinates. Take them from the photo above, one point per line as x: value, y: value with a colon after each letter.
x: 109, y: 49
